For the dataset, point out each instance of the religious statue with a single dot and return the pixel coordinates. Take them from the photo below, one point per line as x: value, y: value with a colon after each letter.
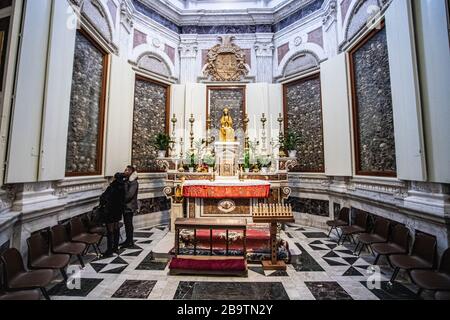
x: 226, y: 127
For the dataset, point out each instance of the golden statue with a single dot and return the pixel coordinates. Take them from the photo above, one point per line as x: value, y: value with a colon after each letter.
x: 226, y: 127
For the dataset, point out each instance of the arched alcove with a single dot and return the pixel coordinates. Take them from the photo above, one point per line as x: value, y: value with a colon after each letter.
x: 154, y: 63
x: 97, y: 16
x: 360, y: 15
x: 300, y: 62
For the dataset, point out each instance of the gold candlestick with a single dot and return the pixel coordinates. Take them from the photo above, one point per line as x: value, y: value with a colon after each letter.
x: 281, y: 152
x: 191, y: 121
x: 246, y: 122
x: 174, y: 137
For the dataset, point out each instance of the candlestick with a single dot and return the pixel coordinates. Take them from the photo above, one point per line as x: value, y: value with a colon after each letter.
x: 174, y: 137
x: 263, y: 134
x: 282, y: 154
x: 191, y: 121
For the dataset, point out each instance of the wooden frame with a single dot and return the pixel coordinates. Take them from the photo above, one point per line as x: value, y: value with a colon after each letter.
x: 285, y: 110
x: 102, y: 110
x: 4, y: 33
x: 225, y: 88
x: 167, y: 108
x: 355, y: 108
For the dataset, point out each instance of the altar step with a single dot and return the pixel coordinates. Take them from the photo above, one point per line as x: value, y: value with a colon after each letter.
x: 166, y: 244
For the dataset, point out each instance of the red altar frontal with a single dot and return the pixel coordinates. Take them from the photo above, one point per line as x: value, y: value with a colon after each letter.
x: 222, y: 190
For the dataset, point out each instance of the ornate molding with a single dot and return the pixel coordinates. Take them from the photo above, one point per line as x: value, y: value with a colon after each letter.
x: 264, y: 49
x: 226, y: 61
x: 330, y: 15
x: 126, y: 16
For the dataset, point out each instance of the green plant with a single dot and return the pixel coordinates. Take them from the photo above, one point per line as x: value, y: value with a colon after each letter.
x: 162, y: 142
x: 191, y: 160
x: 291, y: 141
x: 264, y: 161
x: 247, y: 160
x: 209, y: 160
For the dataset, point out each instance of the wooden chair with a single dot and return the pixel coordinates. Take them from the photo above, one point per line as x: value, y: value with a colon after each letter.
x: 60, y: 243
x: 380, y: 234
x: 397, y: 244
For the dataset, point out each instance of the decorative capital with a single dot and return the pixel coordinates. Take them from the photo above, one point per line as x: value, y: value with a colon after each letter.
x: 264, y: 49
x: 188, y: 49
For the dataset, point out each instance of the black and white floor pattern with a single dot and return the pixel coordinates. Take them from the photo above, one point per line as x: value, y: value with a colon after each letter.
x: 323, y: 271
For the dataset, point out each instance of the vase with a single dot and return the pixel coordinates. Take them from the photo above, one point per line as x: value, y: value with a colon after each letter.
x: 293, y: 154
x: 161, y: 153
x: 191, y: 169
x: 210, y: 169
x: 247, y: 170
x: 264, y: 170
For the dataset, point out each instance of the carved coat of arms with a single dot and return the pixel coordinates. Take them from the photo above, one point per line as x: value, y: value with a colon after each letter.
x: 226, y: 62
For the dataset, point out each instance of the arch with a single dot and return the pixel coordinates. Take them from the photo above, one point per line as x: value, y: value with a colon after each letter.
x: 100, y: 18
x: 301, y: 61
x: 358, y: 15
x: 154, y: 63
x: 144, y: 49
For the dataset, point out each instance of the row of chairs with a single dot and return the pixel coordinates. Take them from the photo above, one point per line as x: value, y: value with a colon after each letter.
x: 46, y: 256
x: 393, y: 241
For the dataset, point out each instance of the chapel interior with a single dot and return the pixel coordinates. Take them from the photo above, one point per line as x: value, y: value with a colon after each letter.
x: 285, y: 149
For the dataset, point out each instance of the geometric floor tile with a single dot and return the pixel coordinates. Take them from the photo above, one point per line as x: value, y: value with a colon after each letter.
x: 86, y: 286
x: 327, y: 291
x: 135, y: 289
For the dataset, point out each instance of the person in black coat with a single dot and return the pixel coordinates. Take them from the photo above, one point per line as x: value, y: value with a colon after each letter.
x: 112, y: 203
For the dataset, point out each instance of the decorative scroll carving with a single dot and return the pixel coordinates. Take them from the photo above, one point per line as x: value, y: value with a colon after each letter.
x: 226, y: 62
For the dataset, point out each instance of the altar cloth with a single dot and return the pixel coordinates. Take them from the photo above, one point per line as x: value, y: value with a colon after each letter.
x: 251, y: 189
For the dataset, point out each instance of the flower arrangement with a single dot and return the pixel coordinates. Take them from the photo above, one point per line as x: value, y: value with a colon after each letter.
x: 209, y: 160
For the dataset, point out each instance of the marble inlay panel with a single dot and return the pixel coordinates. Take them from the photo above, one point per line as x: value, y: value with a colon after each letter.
x: 139, y: 38
x: 155, y: 16
x: 234, y: 100
x: 170, y: 52
x: 316, y: 36
x: 86, y: 286
x: 83, y: 143
x: 304, y: 118
x: 226, y: 29
x: 154, y: 205
x: 135, y: 289
x: 148, y: 263
x: 336, y: 209
x: 298, y: 15
x: 328, y: 291
x: 149, y: 120
x: 230, y: 291
x: 305, y: 262
x: 282, y: 51
x: 310, y: 206
x: 373, y: 105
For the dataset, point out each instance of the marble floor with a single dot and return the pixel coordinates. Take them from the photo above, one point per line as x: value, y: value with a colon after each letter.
x: 323, y: 271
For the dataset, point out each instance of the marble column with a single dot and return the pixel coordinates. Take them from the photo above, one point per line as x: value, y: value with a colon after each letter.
x: 264, y: 49
x: 188, y: 58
